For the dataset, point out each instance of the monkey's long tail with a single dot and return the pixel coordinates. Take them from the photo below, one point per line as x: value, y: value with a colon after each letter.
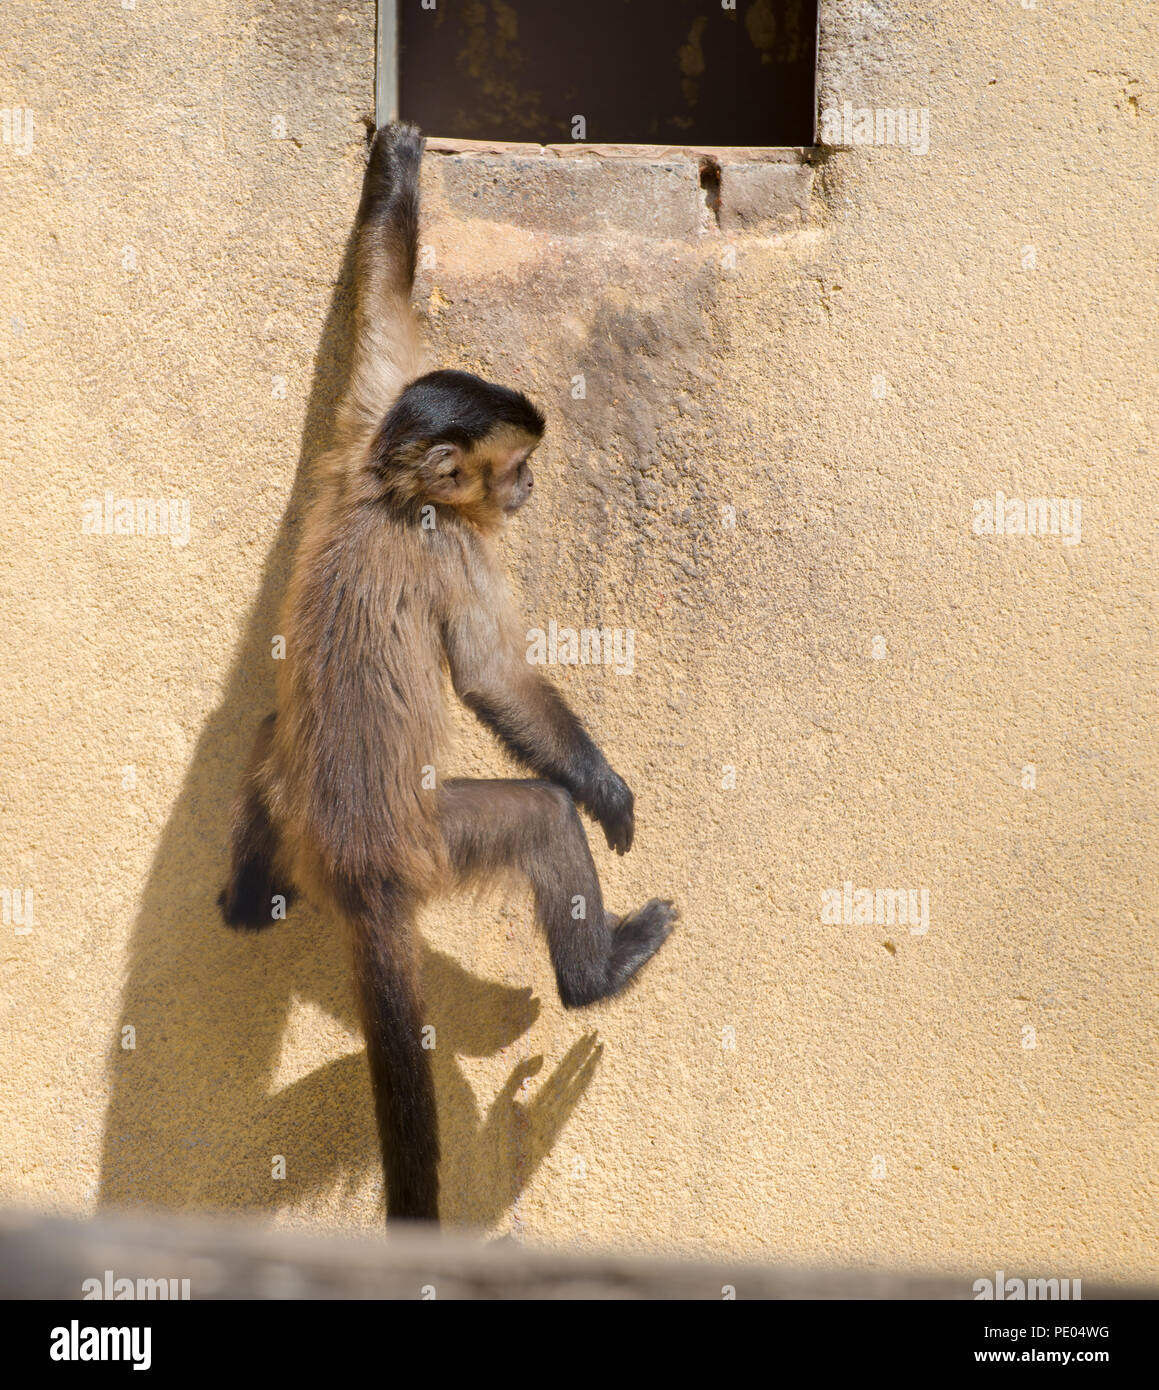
x: 387, y: 977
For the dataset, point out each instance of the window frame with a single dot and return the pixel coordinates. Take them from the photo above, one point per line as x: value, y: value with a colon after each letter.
x: 386, y: 110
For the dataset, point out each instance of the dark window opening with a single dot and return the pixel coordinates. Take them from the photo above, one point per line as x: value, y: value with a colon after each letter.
x: 652, y: 72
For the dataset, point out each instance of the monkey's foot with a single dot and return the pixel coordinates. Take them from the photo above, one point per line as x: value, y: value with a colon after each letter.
x: 247, y: 901
x: 637, y: 938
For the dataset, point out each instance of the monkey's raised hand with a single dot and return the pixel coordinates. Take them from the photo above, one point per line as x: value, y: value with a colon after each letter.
x: 392, y: 169
x: 613, y: 805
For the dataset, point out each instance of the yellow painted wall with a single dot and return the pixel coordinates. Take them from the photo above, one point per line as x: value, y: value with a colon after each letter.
x: 904, y: 703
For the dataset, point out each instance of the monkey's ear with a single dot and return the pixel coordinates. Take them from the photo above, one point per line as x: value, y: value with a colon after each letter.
x: 443, y: 473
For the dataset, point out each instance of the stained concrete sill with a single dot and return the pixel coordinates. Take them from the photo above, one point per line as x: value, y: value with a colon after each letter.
x: 729, y: 154
x: 652, y: 190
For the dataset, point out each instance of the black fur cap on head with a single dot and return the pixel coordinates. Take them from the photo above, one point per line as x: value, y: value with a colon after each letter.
x: 457, y: 407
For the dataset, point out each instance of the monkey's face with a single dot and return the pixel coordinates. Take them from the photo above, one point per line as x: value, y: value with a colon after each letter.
x: 486, y: 483
x: 512, y: 482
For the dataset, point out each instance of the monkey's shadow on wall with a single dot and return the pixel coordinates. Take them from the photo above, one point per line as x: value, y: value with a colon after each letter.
x: 197, y: 1111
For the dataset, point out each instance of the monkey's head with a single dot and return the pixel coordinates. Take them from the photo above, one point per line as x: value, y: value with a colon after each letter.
x: 454, y: 440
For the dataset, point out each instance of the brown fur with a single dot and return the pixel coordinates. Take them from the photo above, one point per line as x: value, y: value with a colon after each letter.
x: 395, y: 578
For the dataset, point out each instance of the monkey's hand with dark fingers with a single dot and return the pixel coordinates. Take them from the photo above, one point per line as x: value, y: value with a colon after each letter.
x: 613, y: 806
x: 396, y: 153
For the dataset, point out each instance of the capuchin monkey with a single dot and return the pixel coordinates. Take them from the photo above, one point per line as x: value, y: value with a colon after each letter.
x: 394, y: 580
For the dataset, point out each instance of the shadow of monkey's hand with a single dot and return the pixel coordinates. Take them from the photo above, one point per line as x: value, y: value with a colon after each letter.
x: 535, y: 1125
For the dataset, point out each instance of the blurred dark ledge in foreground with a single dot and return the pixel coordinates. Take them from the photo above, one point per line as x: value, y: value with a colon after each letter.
x: 45, y: 1257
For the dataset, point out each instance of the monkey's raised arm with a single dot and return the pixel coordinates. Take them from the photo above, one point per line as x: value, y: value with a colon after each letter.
x: 387, y: 350
x: 491, y: 676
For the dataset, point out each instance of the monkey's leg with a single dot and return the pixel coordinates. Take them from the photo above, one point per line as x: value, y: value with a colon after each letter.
x: 533, y: 826
x: 247, y: 898
x: 387, y: 976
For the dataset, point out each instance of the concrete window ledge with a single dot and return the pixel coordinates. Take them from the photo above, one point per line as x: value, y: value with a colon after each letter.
x: 653, y: 190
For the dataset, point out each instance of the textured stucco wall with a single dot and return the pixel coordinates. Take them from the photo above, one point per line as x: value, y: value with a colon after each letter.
x: 934, y: 328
